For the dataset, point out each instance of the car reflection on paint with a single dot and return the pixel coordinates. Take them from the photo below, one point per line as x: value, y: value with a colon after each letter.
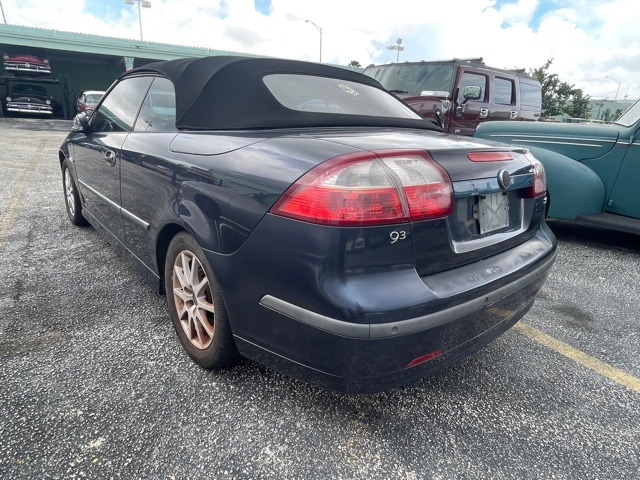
x: 299, y: 215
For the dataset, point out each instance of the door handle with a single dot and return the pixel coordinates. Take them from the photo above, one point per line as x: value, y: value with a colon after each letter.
x: 513, y: 114
x: 484, y: 113
x: 109, y: 157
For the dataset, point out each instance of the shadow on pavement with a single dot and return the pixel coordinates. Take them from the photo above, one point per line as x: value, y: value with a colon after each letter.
x: 37, y: 123
x: 600, y: 237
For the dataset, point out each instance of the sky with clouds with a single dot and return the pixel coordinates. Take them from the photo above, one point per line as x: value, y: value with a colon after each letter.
x: 588, y: 40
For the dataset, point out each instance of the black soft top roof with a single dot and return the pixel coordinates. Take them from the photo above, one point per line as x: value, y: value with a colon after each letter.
x: 228, y: 92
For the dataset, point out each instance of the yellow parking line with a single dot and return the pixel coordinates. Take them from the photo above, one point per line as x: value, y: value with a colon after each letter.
x: 8, y: 217
x: 602, y: 368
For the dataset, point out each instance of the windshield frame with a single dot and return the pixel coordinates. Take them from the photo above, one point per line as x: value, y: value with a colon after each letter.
x: 630, y: 116
x: 412, y: 77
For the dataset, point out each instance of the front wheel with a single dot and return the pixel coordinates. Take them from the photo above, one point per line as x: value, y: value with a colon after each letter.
x: 196, y: 305
x: 72, y: 197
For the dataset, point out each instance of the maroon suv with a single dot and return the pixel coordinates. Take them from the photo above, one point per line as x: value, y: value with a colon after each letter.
x: 460, y: 94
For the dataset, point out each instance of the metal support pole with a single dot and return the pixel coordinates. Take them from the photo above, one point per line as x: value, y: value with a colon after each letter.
x: 319, y: 30
x: 4, y: 19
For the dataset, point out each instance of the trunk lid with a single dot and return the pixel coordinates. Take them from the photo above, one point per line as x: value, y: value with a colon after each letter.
x: 493, y: 210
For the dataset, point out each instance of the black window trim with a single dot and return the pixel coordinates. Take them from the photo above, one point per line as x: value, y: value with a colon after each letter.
x: 513, y: 90
x: 108, y: 92
x: 154, y: 76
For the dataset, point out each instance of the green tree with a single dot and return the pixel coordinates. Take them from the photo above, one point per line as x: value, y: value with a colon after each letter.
x: 355, y: 63
x: 579, y: 106
x: 559, y: 97
x: 606, y: 116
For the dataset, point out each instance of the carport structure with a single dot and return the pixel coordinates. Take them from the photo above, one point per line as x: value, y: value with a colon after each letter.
x: 83, y: 61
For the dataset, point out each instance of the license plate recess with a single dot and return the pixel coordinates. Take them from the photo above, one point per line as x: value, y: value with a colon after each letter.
x: 493, y: 212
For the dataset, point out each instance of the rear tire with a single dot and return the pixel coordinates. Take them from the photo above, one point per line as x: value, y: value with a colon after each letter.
x: 196, y: 305
x: 72, y: 198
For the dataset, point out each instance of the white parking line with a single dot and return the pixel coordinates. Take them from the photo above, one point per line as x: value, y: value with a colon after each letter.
x: 9, y: 216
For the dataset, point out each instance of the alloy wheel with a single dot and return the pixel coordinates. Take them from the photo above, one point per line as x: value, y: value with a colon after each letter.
x: 193, y: 299
x: 69, y: 193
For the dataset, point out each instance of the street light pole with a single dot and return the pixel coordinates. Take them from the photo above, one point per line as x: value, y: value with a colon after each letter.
x: 319, y: 30
x: 4, y: 19
x: 398, y: 46
x: 145, y: 4
x: 618, y: 90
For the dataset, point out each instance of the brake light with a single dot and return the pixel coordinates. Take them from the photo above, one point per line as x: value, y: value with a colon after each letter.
x: 489, y: 156
x: 370, y: 189
x: 539, y: 186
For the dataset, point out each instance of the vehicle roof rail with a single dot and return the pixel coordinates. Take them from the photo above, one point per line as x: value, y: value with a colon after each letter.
x: 455, y: 59
x: 472, y: 59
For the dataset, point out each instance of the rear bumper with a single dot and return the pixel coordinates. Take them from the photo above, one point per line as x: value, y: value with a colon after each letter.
x: 400, y: 327
x: 410, y: 325
x: 387, y: 378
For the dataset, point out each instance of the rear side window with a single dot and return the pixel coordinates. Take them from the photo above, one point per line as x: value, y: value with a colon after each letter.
x: 531, y: 95
x: 158, y: 112
x: 503, y: 91
x: 118, y: 111
x: 472, y: 80
x: 307, y: 93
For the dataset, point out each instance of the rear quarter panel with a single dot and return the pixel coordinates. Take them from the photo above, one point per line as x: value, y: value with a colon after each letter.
x: 573, y: 188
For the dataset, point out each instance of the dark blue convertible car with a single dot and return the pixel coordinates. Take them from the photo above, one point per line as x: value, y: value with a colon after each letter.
x: 299, y: 215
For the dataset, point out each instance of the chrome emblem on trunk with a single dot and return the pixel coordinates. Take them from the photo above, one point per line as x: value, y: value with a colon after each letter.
x: 504, y: 179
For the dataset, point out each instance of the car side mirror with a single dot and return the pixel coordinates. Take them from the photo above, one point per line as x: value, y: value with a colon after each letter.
x: 80, y: 123
x: 472, y: 92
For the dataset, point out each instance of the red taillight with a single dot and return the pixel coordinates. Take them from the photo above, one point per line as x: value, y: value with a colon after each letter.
x: 489, y: 156
x: 539, y: 186
x: 370, y: 189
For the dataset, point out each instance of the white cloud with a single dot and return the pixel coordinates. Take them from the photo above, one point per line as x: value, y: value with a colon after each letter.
x: 588, y: 40
x: 520, y: 11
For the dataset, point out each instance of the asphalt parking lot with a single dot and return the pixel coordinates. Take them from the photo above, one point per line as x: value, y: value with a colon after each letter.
x: 95, y: 385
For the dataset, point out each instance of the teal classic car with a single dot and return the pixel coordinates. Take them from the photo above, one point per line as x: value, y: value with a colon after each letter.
x: 593, y: 171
